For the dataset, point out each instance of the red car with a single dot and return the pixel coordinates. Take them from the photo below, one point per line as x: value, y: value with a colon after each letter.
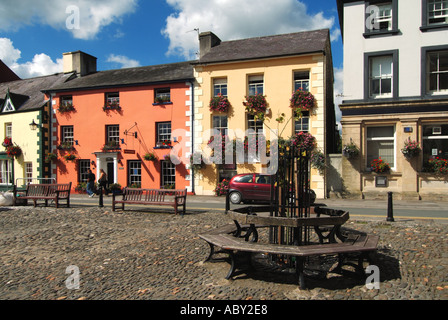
x: 253, y: 186
x: 249, y: 186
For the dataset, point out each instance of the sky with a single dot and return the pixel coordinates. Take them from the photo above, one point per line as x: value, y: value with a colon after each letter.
x: 130, y: 33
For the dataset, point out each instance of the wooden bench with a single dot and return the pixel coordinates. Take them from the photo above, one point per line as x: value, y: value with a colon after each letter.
x: 230, y: 241
x: 164, y: 197
x: 46, y: 192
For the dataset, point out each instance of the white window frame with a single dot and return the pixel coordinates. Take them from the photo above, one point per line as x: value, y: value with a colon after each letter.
x: 303, y: 83
x: 67, y: 134
x: 256, y: 85
x: 84, y: 166
x: 381, y: 77
x: 164, y: 131
x: 393, y: 168
x: 220, y: 87
x: 5, y: 172
x: 437, y: 9
x: 303, y: 121
x: 8, y: 130
x: 135, y: 178
x: 383, y: 17
x: 28, y: 172
x: 113, y: 133
x: 168, y: 173
x: 437, y: 73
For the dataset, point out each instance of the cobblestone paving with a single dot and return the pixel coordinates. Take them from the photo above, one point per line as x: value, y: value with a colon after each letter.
x: 158, y: 256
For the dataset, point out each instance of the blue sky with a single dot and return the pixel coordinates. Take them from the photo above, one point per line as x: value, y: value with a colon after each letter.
x: 126, y: 33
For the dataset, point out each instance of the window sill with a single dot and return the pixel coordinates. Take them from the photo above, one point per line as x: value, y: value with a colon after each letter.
x: 381, y: 33
x: 161, y: 103
x: 164, y: 147
x: 434, y: 27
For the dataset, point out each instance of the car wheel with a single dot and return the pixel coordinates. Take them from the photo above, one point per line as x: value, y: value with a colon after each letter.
x: 235, y: 197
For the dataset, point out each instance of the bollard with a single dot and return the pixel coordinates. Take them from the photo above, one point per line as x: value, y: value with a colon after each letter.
x: 227, y: 201
x: 390, y: 209
x: 100, y: 205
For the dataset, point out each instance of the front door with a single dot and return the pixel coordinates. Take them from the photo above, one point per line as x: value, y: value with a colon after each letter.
x: 110, y: 172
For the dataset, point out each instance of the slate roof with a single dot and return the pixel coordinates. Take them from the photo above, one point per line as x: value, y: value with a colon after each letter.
x: 6, y: 74
x: 268, y: 47
x: 130, y: 77
x: 26, y: 94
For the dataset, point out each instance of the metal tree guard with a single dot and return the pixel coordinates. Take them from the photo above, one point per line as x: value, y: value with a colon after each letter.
x: 290, y: 197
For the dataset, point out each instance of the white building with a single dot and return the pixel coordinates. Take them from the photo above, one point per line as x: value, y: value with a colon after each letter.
x: 395, y: 89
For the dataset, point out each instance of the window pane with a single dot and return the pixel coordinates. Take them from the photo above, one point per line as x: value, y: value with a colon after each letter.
x: 443, y: 61
x: 113, y: 133
x: 168, y: 174
x: 443, y: 81
x: 135, y: 173
x: 380, y: 132
x: 164, y: 131
x: 375, y: 87
x: 256, y: 85
x: 386, y: 86
x: 380, y: 149
x: 84, y: 166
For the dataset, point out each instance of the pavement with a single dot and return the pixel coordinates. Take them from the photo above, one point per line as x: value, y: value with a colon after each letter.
x: 358, y: 209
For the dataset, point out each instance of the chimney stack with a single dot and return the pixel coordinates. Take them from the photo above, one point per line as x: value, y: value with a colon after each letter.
x: 207, y: 40
x: 79, y: 62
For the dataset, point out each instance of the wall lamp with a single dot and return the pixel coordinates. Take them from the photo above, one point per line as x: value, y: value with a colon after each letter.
x: 34, y: 126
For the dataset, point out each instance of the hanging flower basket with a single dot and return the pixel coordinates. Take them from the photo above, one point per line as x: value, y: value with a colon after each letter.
x: 303, y: 141
x: 111, y: 106
x: 318, y: 161
x: 302, y: 101
x: 150, y: 157
x: 70, y: 157
x: 67, y: 146
x: 63, y: 108
x: 14, y: 151
x: 51, y: 157
x: 194, y: 159
x: 411, y: 149
x: 111, y: 146
x: 350, y: 150
x: 379, y: 166
x: 7, y: 142
x: 219, y: 104
x: 256, y: 106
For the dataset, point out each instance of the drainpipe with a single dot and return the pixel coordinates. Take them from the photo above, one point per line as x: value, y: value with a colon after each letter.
x: 192, y: 134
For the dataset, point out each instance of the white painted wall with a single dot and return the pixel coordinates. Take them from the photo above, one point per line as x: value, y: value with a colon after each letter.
x: 409, y: 44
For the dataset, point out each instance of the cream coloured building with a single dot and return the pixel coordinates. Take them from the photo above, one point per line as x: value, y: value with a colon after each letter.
x: 22, y: 103
x: 275, y: 66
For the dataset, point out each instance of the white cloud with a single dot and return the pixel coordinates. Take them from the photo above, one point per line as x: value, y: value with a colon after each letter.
x: 124, y: 61
x: 41, y: 64
x: 93, y: 14
x: 236, y: 19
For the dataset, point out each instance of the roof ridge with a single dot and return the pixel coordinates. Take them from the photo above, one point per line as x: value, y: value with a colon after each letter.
x: 278, y: 35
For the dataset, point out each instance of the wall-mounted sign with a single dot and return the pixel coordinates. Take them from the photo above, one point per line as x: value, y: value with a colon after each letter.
x: 380, y: 182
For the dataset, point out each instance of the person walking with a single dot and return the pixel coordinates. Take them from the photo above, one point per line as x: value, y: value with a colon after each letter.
x: 90, y: 184
x: 103, y: 181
